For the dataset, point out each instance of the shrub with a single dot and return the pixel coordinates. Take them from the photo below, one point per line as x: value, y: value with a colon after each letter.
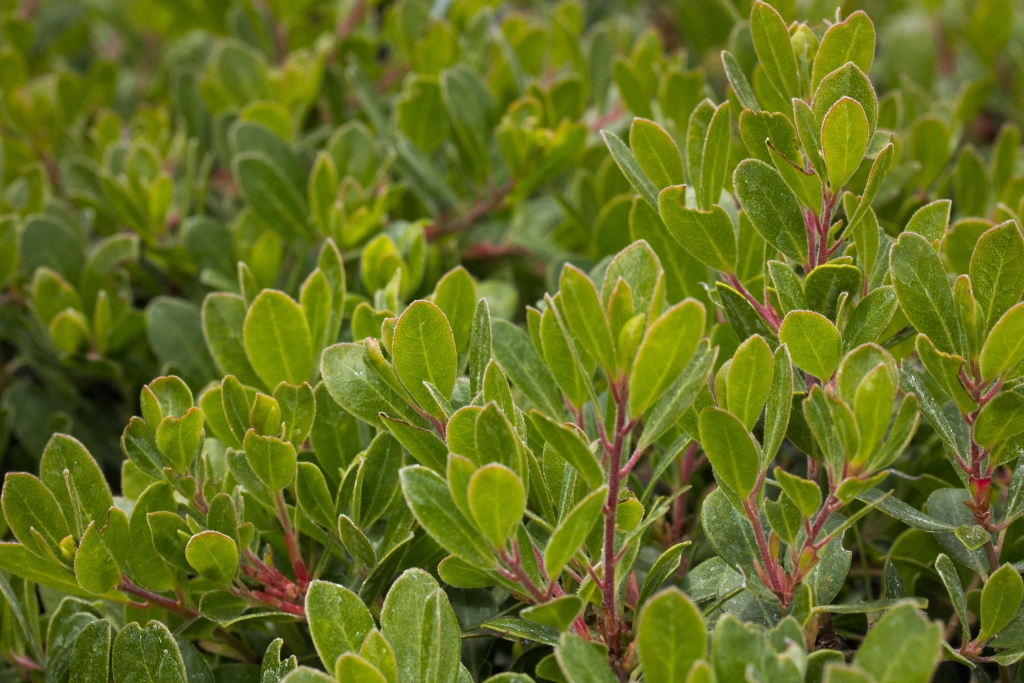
x: 388, y: 342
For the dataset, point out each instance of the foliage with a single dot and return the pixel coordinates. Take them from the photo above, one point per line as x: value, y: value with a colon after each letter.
x: 387, y: 342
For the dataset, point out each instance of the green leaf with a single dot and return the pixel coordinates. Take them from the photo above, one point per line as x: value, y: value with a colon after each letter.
x: 813, y: 341
x: 714, y: 167
x: 852, y: 40
x: 749, y: 380
x: 424, y: 351
x: 179, y: 439
x: 422, y: 444
x: 272, y: 196
x: 557, y: 613
x: 1000, y: 419
x: 997, y: 271
x: 223, y: 318
x: 731, y: 450
x: 418, y: 623
x: 571, y: 444
x: 273, y: 669
x: 870, y: 318
x: 147, y: 655
x: 844, y: 139
x: 667, y: 348
x: 518, y: 359
x: 931, y: 220
x: 479, y: 346
x: 586, y: 317
x: 924, y: 293
x: 572, y: 531
x: 707, y: 235
x: 377, y: 651
x: 338, y: 620
x: 175, y: 333
x: 805, y: 185
x: 847, y: 81
x: 351, y: 667
x: 67, y: 469
x: 1000, y: 599
x: 947, y: 572
x: 271, y: 459
x: 431, y: 502
x: 779, y: 403
x: 304, y: 674
x: 277, y: 339
x: 664, y: 567
x: 671, y: 636
x: 360, y: 390
x: 90, y: 654
x: 631, y: 168
x: 298, y: 407
x: 901, y: 647
x: 315, y: 302
x: 583, y: 662
x: 496, y: 501
x: 356, y: 543
x: 656, y: 153
x: 774, y: 49
x: 872, y: 408
x: 213, y: 555
x: 147, y: 568
x: 29, y: 506
x: 1004, y: 347
x: 313, y: 496
x: 804, y: 493
x: 561, y: 359
x: 771, y: 207
x: 170, y: 533
x: 102, y: 553
x: 679, y: 397
x: 738, y: 81
x: 455, y: 294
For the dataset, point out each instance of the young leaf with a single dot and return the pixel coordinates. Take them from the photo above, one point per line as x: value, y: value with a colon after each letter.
x: 586, y: 318
x: 572, y: 531
x: 271, y: 459
x: 707, y: 235
x: 425, y: 352
x: 496, y: 501
x: 671, y: 636
x: 431, y: 502
x: 749, y: 379
x: 213, y: 555
x: 924, y: 293
x: 844, y: 139
x: 665, y: 351
x: 338, y: 620
x: 774, y: 49
x: 656, y: 153
x: 852, y: 40
x: 1000, y: 599
x: 902, y: 647
x: 997, y: 271
x: 277, y: 339
x: 931, y: 220
x: 813, y: 341
x: 772, y: 208
x: 731, y: 450
x: 147, y: 654
x: 582, y: 661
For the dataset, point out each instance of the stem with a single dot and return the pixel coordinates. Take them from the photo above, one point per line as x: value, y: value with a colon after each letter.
x: 610, y: 508
x: 766, y: 311
x: 298, y: 565
x: 447, y: 225
x: 127, y: 586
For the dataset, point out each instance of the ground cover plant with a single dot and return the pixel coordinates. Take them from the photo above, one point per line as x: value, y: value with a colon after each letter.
x: 394, y: 342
